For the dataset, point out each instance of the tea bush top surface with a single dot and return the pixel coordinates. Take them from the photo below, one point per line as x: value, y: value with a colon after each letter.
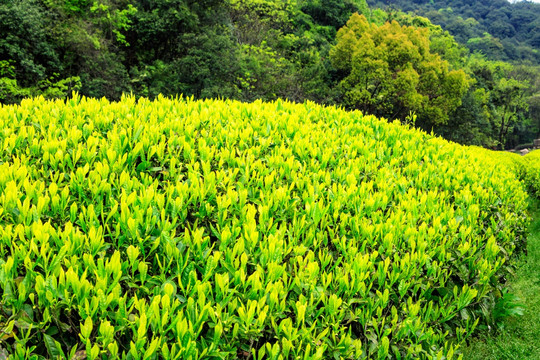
x: 180, y: 229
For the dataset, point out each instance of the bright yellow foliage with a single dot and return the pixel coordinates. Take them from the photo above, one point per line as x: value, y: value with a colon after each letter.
x: 181, y: 229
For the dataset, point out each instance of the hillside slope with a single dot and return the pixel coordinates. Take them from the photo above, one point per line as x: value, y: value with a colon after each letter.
x: 499, y: 29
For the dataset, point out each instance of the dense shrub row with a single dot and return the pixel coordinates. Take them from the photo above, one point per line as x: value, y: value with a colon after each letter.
x: 181, y: 229
x: 526, y: 168
x: 531, y: 171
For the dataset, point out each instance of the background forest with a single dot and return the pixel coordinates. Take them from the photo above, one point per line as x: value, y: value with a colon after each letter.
x: 467, y: 70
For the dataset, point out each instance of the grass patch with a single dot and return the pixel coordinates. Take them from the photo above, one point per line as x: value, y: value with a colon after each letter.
x: 519, y: 336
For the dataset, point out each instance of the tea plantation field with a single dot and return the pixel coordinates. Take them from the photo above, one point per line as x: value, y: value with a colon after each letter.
x: 181, y: 229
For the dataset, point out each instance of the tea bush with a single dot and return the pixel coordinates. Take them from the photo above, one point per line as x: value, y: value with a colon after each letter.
x: 181, y: 229
x: 526, y: 168
x: 531, y: 164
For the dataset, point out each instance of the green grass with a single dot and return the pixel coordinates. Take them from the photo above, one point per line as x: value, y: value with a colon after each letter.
x: 519, y: 336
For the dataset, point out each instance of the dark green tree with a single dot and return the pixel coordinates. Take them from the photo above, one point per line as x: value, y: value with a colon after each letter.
x: 25, y: 40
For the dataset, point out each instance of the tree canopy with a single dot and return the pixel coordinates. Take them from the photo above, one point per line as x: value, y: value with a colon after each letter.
x: 391, y: 72
x: 389, y: 63
x: 499, y: 29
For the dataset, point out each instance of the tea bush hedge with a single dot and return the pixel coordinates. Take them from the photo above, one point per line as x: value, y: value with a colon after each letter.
x: 531, y: 164
x: 181, y: 229
x: 526, y: 168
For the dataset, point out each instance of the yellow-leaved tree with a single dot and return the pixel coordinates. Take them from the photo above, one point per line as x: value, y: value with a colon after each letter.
x: 389, y: 71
